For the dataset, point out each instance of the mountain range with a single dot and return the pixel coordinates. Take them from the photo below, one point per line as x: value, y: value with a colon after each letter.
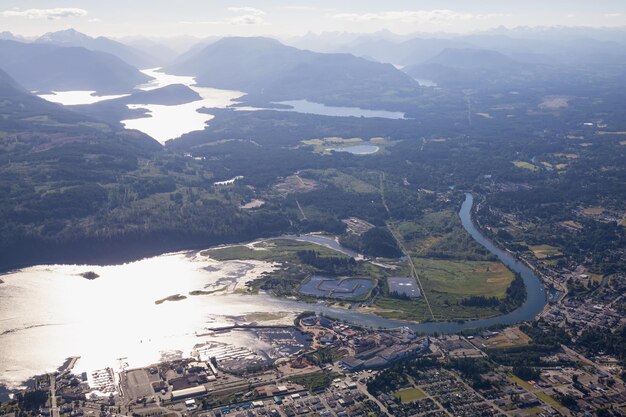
x: 126, y: 53
x: 44, y: 67
x: 270, y: 71
x: 553, y: 45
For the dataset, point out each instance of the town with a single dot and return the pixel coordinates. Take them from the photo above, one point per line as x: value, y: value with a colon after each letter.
x: 345, y: 370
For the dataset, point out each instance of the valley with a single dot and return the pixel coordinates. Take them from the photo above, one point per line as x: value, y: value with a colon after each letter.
x: 252, y: 213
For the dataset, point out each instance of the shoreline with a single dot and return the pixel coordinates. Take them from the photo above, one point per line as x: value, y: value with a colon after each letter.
x: 109, y: 252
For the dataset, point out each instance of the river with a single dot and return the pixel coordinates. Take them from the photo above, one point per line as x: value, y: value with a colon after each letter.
x: 50, y: 312
x: 535, y: 300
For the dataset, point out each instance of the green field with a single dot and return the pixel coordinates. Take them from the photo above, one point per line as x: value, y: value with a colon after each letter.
x: 525, y: 165
x: 410, y: 394
x: 278, y: 250
x: 320, y: 145
x: 313, y: 382
x: 545, y: 251
x: 344, y: 181
x: 459, y: 279
x: 446, y: 284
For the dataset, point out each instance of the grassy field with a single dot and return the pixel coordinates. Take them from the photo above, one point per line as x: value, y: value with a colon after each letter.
x: 594, y: 277
x: 285, y: 250
x: 460, y: 279
x: 320, y: 146
x: 525, y: 165
x: 313, y: 382
x: 566, y: 155
x: 545, y: 251
x: 393, y: 308
x: 446, y: 283
x: 519, y: 381
x: 593, y: 211
x: 410, y: 394
x: 346, y: 182
x: 279, y: 250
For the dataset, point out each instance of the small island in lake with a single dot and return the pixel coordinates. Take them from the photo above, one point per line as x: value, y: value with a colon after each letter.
x: 89, y: 275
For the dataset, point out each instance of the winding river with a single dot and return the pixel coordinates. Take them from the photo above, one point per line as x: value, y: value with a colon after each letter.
x: 143, y: 311
x: 535, y: 300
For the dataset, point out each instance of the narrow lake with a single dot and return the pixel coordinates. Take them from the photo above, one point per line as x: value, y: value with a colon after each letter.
x: 309, y: 107
x: 170, y: 122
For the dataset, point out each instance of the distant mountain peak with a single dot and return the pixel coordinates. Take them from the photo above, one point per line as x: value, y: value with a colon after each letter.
x: 249, y: 41
x: 64, y: 36
x: 8, y: 36
x: 72, y: 37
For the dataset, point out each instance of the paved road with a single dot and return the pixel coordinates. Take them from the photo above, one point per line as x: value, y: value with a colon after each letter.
x: 54, y: 409
x: 363, y: 389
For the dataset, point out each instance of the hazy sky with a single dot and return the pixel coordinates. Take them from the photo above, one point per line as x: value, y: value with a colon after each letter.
x: 281, y: 17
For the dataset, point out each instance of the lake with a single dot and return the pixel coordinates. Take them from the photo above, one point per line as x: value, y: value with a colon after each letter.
x: 72, y: 98
x: 357, y: 149
x: 309, y: 107
x: 163, y: 122
x: 50, y: 312
x: 170, y: 122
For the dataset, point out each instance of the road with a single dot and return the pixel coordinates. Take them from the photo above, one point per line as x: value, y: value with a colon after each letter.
x: 300, y: 208
x: 414, y: 273
x: 54, y: 409
x: 363, y: 389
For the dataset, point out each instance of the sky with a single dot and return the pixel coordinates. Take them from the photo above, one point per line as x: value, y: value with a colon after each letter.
x: 201, y: 18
